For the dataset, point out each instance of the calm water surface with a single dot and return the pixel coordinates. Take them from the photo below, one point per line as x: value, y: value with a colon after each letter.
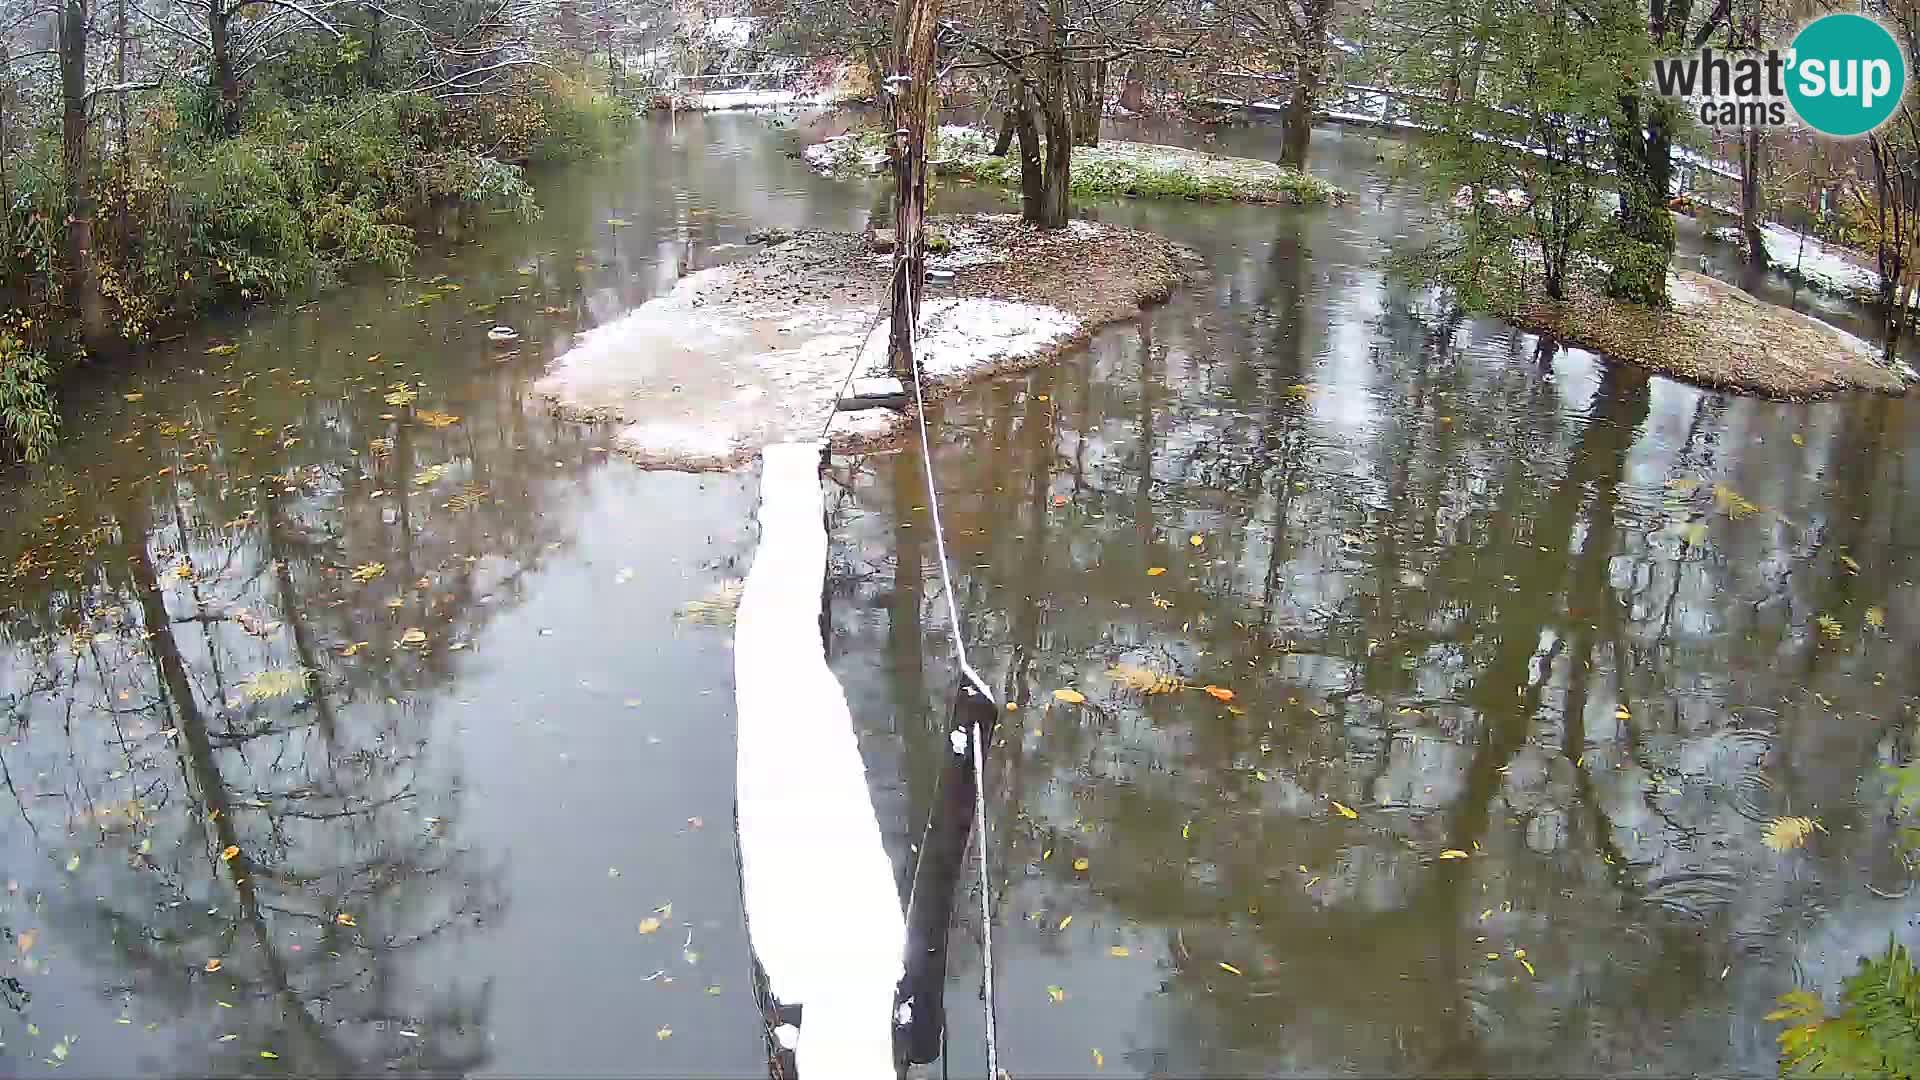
x: 399, y: 725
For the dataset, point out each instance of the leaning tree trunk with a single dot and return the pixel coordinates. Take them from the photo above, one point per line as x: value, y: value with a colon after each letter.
x: 913, y: 111
x: 1032, y: 167
x: 1643, y: 162
x: 82, y: 285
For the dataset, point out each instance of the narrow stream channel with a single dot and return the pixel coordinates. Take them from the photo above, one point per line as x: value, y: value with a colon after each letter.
x: 1589, y: 629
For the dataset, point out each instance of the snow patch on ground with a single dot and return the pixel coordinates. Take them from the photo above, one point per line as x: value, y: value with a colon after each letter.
x: 1684, y: 293
x: 701, y: 384
x: 1824, y: 267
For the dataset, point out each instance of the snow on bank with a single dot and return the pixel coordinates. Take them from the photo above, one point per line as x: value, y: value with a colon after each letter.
x: 823, y: 915
x: 721, y: 100
x: 701, y: 383
x: 1820, y: 265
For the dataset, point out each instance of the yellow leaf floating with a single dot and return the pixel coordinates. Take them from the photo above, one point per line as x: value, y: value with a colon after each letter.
x: 1345, y: 811
x: 1876, y: 617
x: 1787, y: 833
x: 1195, y: 540
x: 1064, y: 923
x: 402, y: 394
x: 436, y: 419
x: 214, y: 965
x: 223, y: 350
x: 1081, y: 864
x: 135, y: 396
x: 430, y: 475
x: 649, y: 925
x: 1144, y: 680
x: 1828, y: 625
x: 274, y: 684
x: 1057, y: 994
x: 1620, y: 712
x: 345, y: 919
x: 1156, y: 571
x: 229, y: 854
x: 367, y: 571
x: 1071, y: 697
x: 663, y: 1034
x: 269, y: 1055
x: 1220, y: 692
x: 1099, y: 1060
x: 1453, y: 853
x: 1230, y: 969
x: 413, y: 636
x: 1120, y: 951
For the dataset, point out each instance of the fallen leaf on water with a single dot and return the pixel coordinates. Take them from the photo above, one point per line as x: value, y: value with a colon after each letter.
x: 413, y: 636
x: 345, y: 919
x: 436, y: 419
x: 1850, y: 563
x: 269, y: 1055
x: 1081, y: 864
x: 1059, y: 500
x: 1071, y: 697
x: 227, y: 1038
x: 618, y: 223
x: 1876, y: 617
x: 663, y: 1034
x: 223, y: 350
x: 1230, y: 969
x: 26, y: 939
x: 73, y: 863
x: 1493, y: 956
x: 135, y: 396
x: 430, y: 475
x: 1345, y: 811
x: 228, y: 855
x: 1453, y: 853
x: 1099, y: 1062
x: 1195, y: 540
x: 402, y: 395
x: 1064, y: 922
x: 1621, y: 713
x: 1057, y: 994
x: 649, y: 925
x: 1120, y: 950
x: 367, y: 571
x: 1787, y: 833
x: 1156, y: 571
x: 1528, y: 966
x: 268, y: 685
x: 1219, y: 692
x: 60, y: 1050
x: 1828, y: 625
x: 214, y: 965
x: 353, y: 648
x: 1186, y: 831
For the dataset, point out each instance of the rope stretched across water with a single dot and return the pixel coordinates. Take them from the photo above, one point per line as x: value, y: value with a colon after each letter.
x: 977, y: 737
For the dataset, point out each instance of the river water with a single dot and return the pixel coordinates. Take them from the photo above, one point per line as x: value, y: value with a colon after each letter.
x: 342, y: 738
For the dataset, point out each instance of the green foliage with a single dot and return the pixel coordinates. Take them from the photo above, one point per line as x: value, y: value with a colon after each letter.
x: 1135, y: 170
x: 1551, y: 77
x: 1876, y: 1033
x: 27, y: 417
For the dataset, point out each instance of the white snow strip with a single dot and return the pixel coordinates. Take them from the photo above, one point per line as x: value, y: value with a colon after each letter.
x: 957, y: 337
x: 1823, y: 267
x: 822, y: 914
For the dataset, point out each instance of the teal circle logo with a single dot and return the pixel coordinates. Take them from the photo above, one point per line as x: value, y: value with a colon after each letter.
x: 1846, y: 75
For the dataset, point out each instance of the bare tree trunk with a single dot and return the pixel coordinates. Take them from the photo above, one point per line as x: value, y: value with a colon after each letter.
x: 1308, y: 72
x: 1058, y: 161
x: 913, y: 112
x: 1032, y: 168
x: 1089, y: 100
x: 1003, y: 142
x: 1752, y: 166
x: 223, y: 81
x: 83, y: 291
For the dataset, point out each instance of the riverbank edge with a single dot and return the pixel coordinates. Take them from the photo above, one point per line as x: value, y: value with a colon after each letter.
x: 1005, y: 298
x: 1715, y: 336
x: 1111, y: 169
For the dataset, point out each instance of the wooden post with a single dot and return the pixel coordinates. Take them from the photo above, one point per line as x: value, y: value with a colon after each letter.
x: 910, y: 94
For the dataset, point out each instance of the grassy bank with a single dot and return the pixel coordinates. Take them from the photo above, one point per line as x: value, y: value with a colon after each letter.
x: 1139, y: 170
x: 311, y: 188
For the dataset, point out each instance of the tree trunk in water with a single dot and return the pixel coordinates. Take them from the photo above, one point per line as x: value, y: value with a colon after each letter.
x: 82, y: 286
x: 1643, y: 161
x: 1752, y: 171
x: 913, y: 111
